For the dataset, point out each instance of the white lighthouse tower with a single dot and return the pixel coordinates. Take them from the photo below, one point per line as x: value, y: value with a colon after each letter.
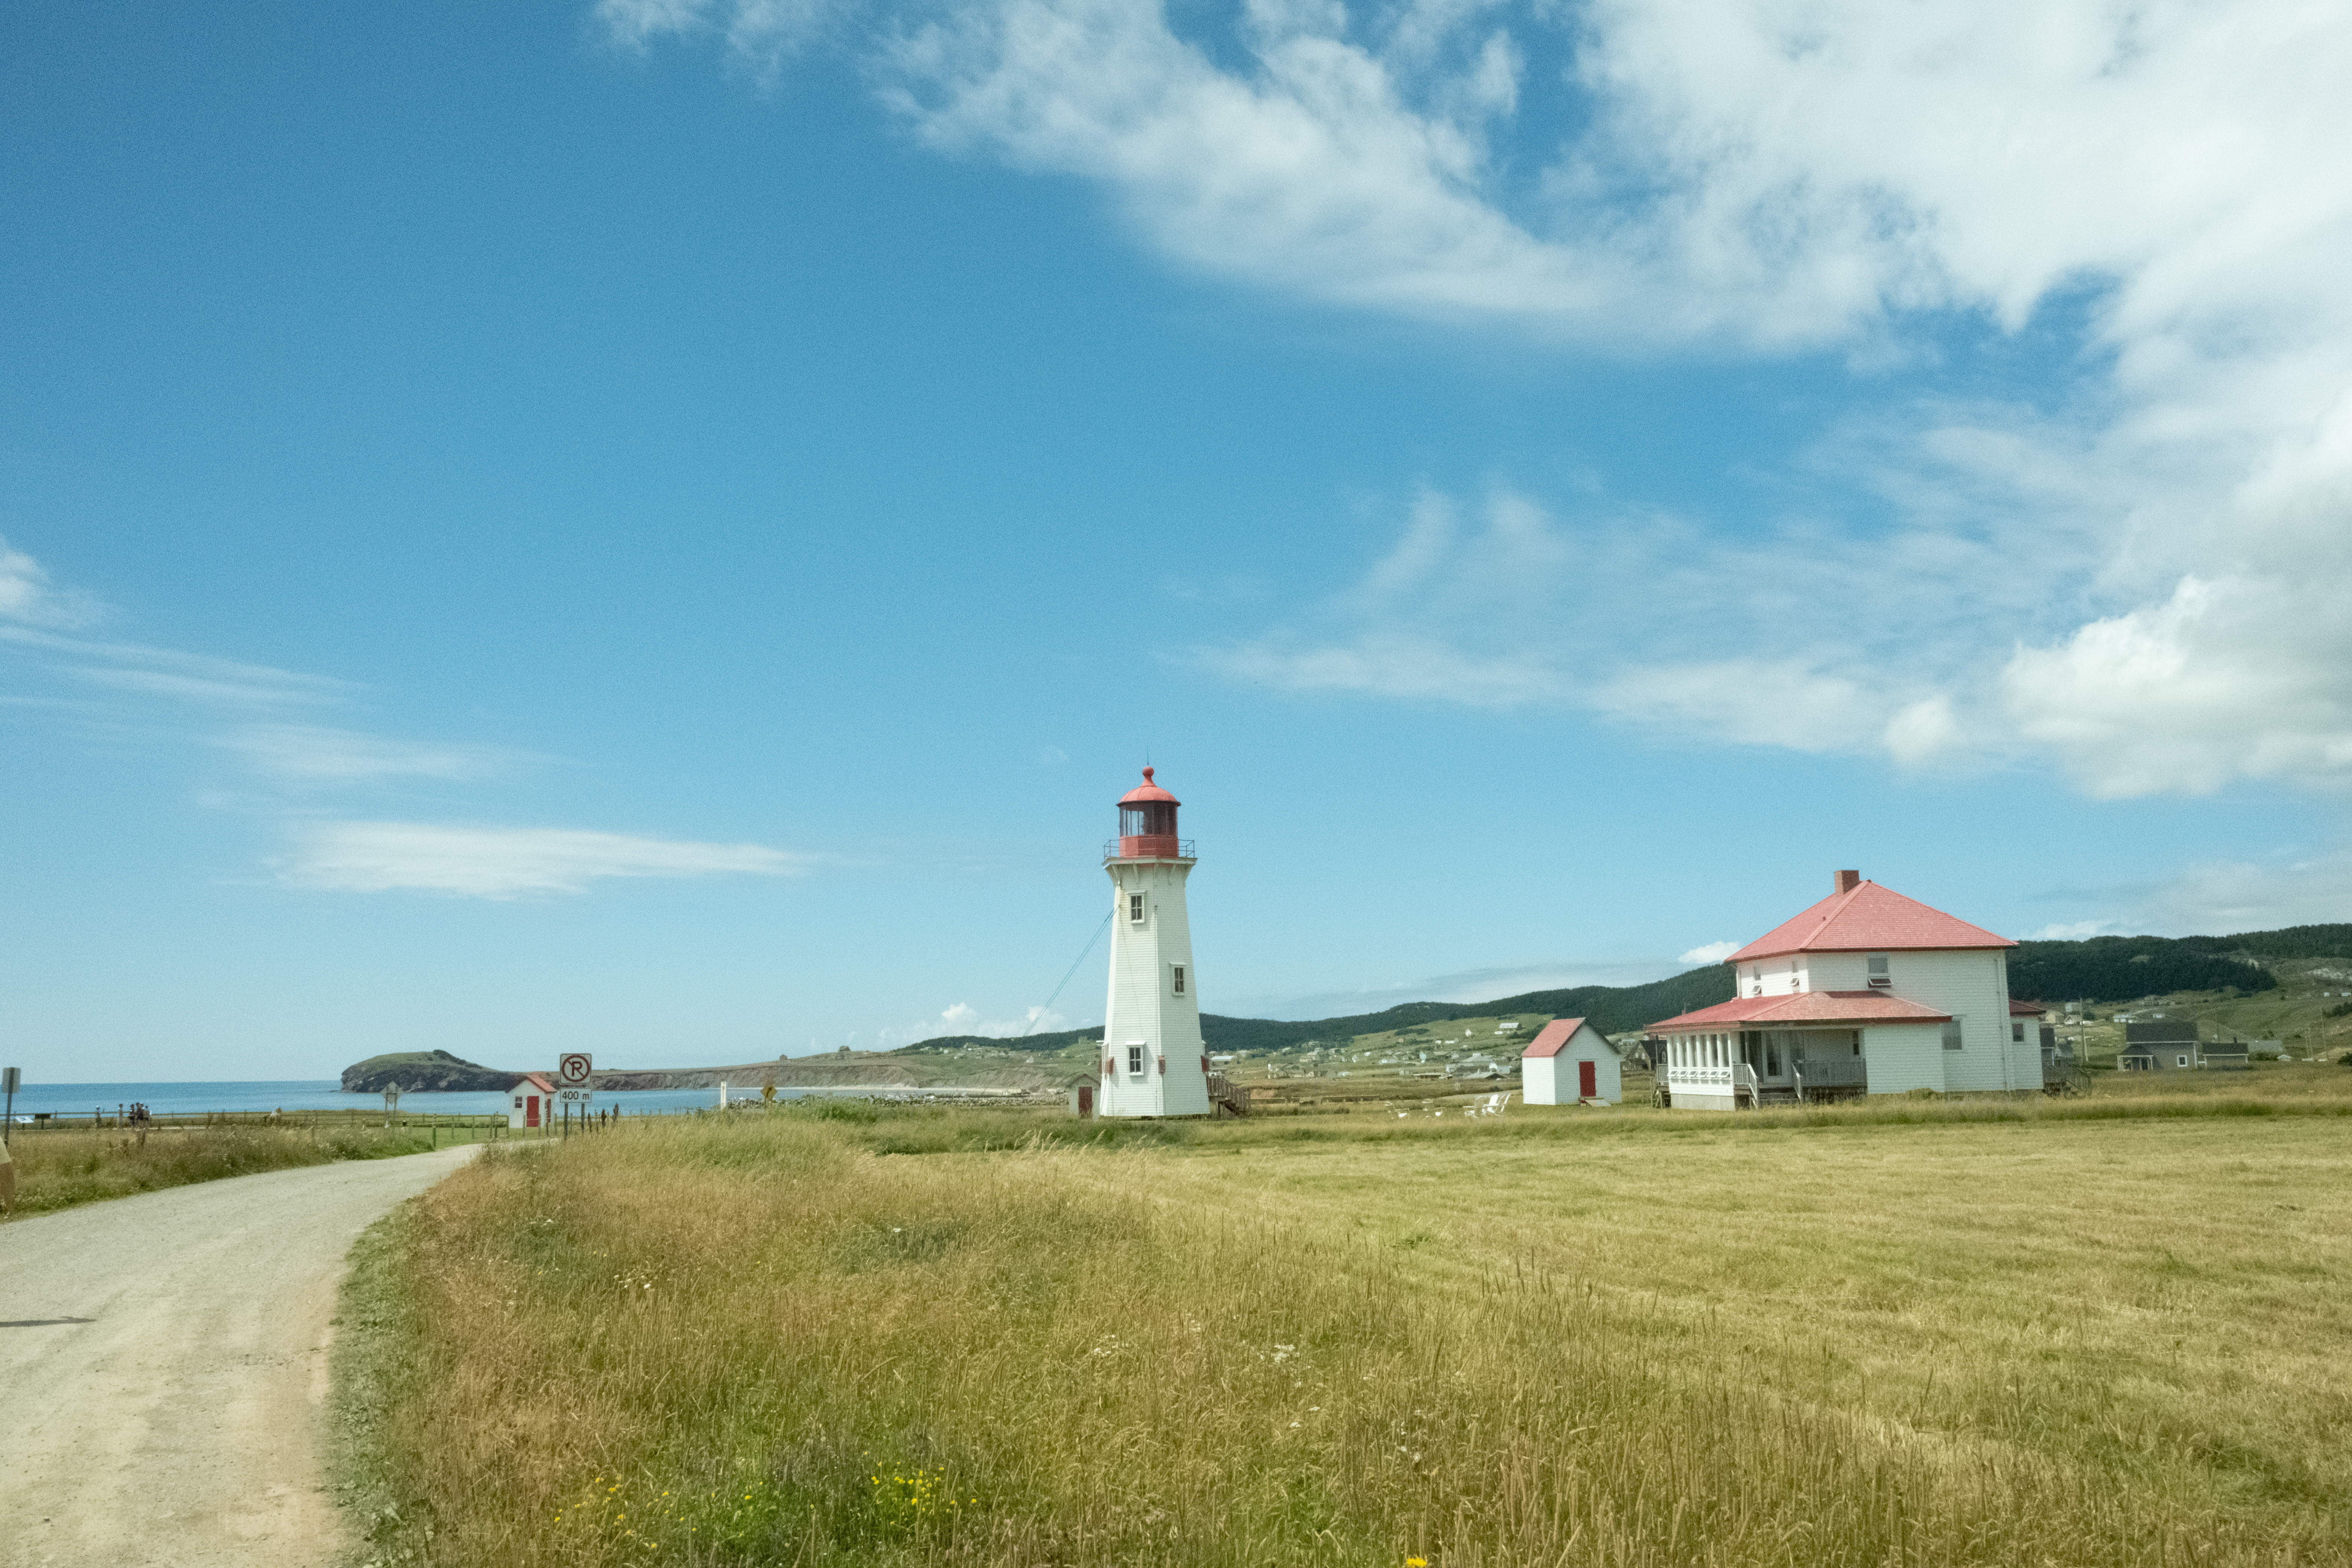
x: 1154, y: 1062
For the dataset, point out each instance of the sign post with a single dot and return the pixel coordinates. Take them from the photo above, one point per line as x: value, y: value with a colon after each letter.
x: 574, y: 1071
x: 9, y: 1079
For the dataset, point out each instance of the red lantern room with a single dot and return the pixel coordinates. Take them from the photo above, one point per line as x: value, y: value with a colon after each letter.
x: 1147, y: 823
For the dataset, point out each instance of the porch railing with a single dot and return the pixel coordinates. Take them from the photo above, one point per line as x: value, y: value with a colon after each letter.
x: 1833, y: 1072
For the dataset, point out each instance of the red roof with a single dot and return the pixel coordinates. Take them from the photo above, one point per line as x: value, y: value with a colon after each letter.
x: 1870, y: 919
x: 1809, y: 1008
x: 2018, y: 1009
x: 1552, y: 1037
x: 1147, y: 791
x: 537, y: 1081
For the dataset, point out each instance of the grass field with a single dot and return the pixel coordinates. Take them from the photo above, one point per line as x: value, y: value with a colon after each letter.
x: 58, y: 1169
x: 2108, y: 1331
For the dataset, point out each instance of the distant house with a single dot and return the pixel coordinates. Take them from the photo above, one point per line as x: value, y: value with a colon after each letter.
x: 2168, y: 1045
x: 2161, y: 1045
x: 1570, y: 1060
x: 531, y: 1102
x: 1865, y: 992
x: 2225, y: 1055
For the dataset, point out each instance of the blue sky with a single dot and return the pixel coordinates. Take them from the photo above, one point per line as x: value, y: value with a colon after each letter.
x: 664, y: 526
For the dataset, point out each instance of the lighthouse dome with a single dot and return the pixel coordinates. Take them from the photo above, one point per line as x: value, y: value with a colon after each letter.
x: 1146, y: 822
x: 1146, y: 790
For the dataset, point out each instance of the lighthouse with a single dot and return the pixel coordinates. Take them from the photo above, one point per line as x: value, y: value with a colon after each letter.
x: 1154, y: 1062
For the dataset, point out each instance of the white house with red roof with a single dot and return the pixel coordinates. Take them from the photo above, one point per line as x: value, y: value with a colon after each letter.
x: 1866, y: 992
x: 1568, y: 1061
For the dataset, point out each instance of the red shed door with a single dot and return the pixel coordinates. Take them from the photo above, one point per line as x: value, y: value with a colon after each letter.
x: 531, y: 1111
x: 1587, y: 1080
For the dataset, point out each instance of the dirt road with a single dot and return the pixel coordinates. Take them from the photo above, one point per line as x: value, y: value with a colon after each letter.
x: 164, y: 1368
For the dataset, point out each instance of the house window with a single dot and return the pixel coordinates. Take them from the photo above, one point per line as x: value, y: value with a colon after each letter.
x: 1135, y: 1058
x: 2016, y: 1031
x: 1135, y: 908
x: 1951, y: 1033
x: 2180, y: 1061
x: 1878, y: 975
x: 1176, y: 974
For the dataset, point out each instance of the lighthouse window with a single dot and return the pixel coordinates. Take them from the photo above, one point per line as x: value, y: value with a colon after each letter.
x: 1178, y: 972
x: 1135, y: 908
x: 1135, y: 1058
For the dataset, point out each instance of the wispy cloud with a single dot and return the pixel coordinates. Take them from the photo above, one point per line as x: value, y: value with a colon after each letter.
x: 175, y: 676
x: 200, y: 702
x: 313, y: 754
x: 1709, y: 952
x: 2069, y: 931
x: 1466, y: 986
x: 487, y: 862
x: 759, y: 34
x: 29, y: 598
x: 2137, y: 577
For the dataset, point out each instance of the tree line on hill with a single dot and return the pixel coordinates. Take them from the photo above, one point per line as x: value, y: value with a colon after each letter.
x: 2097, y: 969
x: 1613, y: 1009
x: 2124, y: 968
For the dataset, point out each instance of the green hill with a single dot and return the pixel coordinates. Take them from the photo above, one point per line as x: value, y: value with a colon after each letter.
x: 2100, y: 968
x: 2120, y: 968
x: 1613, y: 1009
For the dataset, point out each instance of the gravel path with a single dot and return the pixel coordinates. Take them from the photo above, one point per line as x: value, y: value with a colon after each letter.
x: 164, y: 1368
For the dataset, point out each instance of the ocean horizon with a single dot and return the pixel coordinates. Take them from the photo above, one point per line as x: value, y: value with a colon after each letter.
x: 191, y: 1098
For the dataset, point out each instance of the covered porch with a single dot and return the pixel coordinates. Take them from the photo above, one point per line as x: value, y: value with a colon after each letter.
x: 1801, y: 1048
x: 1740, y: 1069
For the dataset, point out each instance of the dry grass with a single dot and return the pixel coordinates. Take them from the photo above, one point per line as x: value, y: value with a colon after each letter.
x: 1824, y: 1340
x: 58, y: 1169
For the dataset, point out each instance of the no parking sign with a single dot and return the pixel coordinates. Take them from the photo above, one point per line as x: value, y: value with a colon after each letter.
x: 571, y: 1070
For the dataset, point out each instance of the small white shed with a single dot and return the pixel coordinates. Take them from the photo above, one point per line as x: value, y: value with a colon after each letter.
x: 531, y: 1102
x: 1570, y: 1060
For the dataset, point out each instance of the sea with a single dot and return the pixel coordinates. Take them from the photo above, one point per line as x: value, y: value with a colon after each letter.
x: 323, y: 1094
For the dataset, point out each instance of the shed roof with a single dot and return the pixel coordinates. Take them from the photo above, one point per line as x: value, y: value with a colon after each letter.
x: 2018, y: 1009
x: 537, y: 1080
x: 1553, y: 1037
x: 1870, y: 919
x: 1809, y: 1008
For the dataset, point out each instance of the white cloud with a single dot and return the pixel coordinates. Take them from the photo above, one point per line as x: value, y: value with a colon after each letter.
x: 1849, y: 174
x: 1468, y: 985
x: 963, y: 1018
x: 506, y: 862
x: 2240, y: 678
x: 307, y: 754
x: 1762, y: 177
x: 1923, y: 731
x: 187, y: 677
x: 1709, y: 952
x: 2220, y: 898
x: 2070, y: 931
x: 762, y: 34
x: 27, y: 596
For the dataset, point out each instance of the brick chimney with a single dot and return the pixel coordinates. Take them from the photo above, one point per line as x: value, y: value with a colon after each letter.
x: 1847, y: 881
